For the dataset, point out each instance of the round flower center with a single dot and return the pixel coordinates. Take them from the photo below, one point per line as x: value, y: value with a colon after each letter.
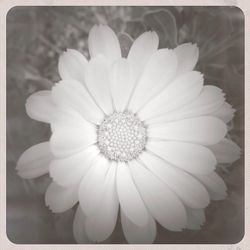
x: 121, y: 136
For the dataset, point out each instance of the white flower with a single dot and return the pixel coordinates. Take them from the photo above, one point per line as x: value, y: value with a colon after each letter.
x: 141, y: 133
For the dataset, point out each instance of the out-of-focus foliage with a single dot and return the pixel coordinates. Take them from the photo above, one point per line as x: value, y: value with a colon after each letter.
x: 36, y: 36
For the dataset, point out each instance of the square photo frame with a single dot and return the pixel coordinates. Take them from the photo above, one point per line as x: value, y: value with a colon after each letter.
x: 191, y: 190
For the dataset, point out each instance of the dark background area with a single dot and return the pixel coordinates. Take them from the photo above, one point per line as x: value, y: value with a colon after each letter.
x: 35, y: 38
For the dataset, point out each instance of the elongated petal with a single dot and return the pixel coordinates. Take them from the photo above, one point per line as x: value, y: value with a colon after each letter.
x: 129, y: 197
x: 59, y: 199
x: 191, y: 191
x: 206, y: 130
x: 225, y: 112
x: 101, y: 223
x: 215, y: 185
x: 103, y: 41
x: 181, y: 91
x: 71, y: 93
x: 91, y: 187
x: 98, y: 82
x: 70, y: 170
x: 226, y: 151
x: 162, y: 203
x: 39, y: 106
x: 156, y: 76
x: 210, y: 99
x: 138, y: 235
x: 71, y: 134
x: 187, y: 55
x: 196, y: 218
x: 79, y: 227
x: 192, y: 158
x: 35, y: 161
x: 72, y: 65
x: 121, y: 84
x: 141, y: 51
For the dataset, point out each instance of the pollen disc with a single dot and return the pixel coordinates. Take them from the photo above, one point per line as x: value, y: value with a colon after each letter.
x: 121, y: 136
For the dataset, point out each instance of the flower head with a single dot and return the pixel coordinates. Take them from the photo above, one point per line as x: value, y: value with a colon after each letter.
x: 142, y: 133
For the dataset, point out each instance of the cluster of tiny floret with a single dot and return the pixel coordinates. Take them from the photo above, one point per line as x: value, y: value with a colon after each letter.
x: 121, y: 136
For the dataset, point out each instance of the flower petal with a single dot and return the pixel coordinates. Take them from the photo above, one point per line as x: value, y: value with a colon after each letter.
x: 158, y: 72
x: 196, y: 218
x: 71, y: 134
x: 35, y: 161
x: 39, y: 106
x: 162, y: 203
x: 129, y: 197
x: 59, y: 199
x: 187, y: 55
x: 69, y: 171
x: 215, y: 185
x: 210, y: 99
x: 91, y: 186
x: 190, y: 157
x: 103, y: 41
x: 225, y: 112
x: 141, y: 50
x: 136, y: 234
x: 79, y: 227
x: 178, y: 93
x: 71, y: 93
x: 72, y: 65
x: 226, y: 151
x: 121, y: 84
x: 190, y: 191
x: 101, y: 223
x: 205, y: 130
x: 98, y: 82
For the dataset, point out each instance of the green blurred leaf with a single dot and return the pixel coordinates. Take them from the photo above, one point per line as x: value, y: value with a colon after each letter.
x: 164, y: 23
x: 125, y: 42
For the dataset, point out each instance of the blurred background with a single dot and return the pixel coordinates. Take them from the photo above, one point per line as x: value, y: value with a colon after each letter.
x: 36, y: 36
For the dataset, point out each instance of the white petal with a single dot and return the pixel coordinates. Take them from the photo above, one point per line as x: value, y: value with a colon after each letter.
x: 35, y: 161
x: 141, y: 50
x: 191, y: 191
x: 121, y: 84
x: 72, y: 65
x: 178, y: 93
x: 215, y: 185
x: 225, y: 112
x: 40, y: 106
x: 210, y: 99
x: 187, y: 55
x: 79, y: 227
x: 71, y: 93
x: 69, y: 171
x: 138, y: 235
x: 60, y: 199
x: 103, y: 41
x: 91, y: 187
x: 192, y: 158
x: 98, y: 80
x: 129, y: 197
x: 71, y: 134
x: 101, y: 223
x: 226, y: 151
x: 205, y: 130
x: 196, y: 218
x: 162, y: 203
x: 158, y: 72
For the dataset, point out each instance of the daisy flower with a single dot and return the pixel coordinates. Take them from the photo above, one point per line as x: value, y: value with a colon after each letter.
x: 136, y: 137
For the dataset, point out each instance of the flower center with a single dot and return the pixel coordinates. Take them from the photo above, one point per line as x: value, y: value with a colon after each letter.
x: 121, y: 136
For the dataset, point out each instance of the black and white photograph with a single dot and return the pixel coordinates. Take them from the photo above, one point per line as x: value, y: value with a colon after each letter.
x: 125, y: 125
